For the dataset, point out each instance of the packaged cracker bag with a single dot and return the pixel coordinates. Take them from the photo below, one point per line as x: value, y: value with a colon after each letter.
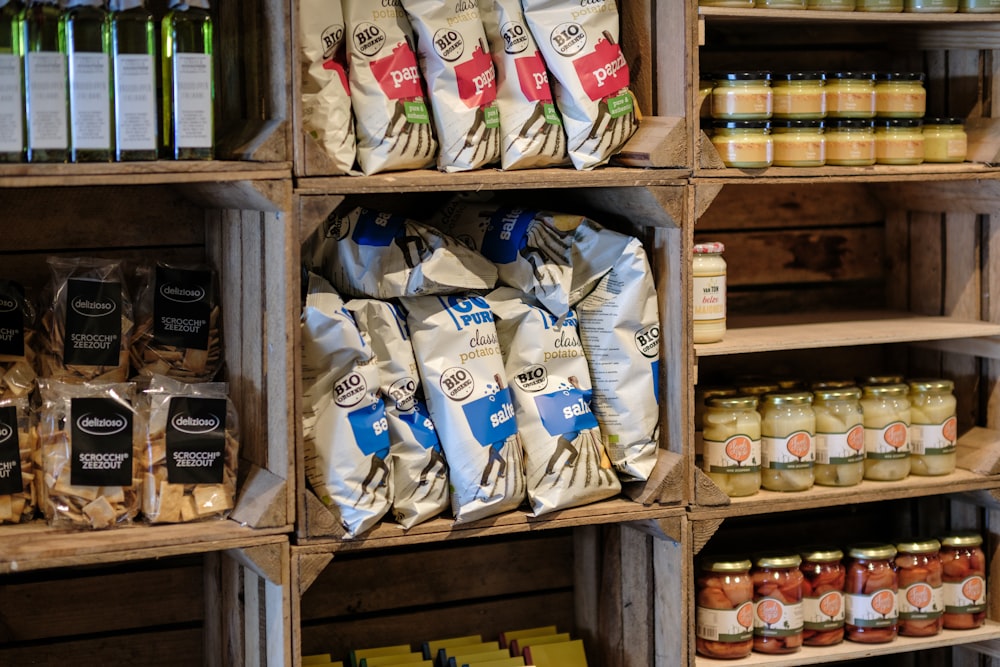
x: 20, y: 473
x: 580, y: 45
x: 18, y: 337
x: 394, y: 129
x: 456, y: 64
x: 455, y: 343
x: 564, y: 458
x: 326, y: 95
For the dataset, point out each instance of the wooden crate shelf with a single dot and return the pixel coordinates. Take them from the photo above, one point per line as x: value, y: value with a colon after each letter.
x: 139, y: 173
x: 764, y: 15
x: 876, y: 173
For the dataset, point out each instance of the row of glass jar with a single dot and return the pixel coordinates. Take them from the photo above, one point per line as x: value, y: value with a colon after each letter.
x: 754, y: 144
x: 919, y: 6
x: 831, y: 436
x: 782, y: 601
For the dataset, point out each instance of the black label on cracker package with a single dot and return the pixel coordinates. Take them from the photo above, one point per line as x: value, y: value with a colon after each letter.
x: 196, y: 440
x: 10, y: 453
x: 101, y: 451
x: 93, y: 323
x: 11, y: 319
x: 181, y: 307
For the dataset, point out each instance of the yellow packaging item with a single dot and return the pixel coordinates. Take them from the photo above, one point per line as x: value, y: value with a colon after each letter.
x: 798, y: 143
x: 900, y: 95
x: 799, y: 95
x: 503, y: 662
x: 899, y: 141
x: 318, y: 659
x: 447, y: 652
x: 395, y: 659
x: 431, y: 648
x: 742, y: 96
x: 464, y: 658
x: 358, y: 655
x: 945, y: 140
x: 561, y: 654
x: 850, y: 142
x: 507, y: 637
x: 744, y: 144
x: 518, y: 646
x: 850, y: 94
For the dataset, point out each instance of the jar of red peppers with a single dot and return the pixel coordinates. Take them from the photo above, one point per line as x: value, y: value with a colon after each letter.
x: 777, y: 603
x: 964, y: 581
x: 823, y: 597
x: 724, y: 608
x: 870, y: 609
x: 920, y: 599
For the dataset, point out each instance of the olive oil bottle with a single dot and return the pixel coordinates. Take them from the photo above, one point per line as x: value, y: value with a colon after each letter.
x: 11, y: 90
x: 188, y: 81
x: 133, y: 48
x: 45, y: 89
x: 86, y: 34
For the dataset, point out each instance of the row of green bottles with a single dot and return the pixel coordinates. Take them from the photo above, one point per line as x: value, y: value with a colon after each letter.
x: 89, y: 85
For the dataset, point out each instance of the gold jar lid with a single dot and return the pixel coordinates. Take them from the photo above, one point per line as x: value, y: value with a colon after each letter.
x: 787, y: 398
x: 822, y: 555
x: 716, y: 392
x: 733, y: 402
x: 880, y: 379
x: 933, y: 386
x: 778, y: 560
x: 832, y: 384
x: 885, y: 390
x: 725, y: 564
x: 962, y: 540
x: 838, y: 394
x: 927, y: 546
x: 872, y: 551
x: 758, y: 389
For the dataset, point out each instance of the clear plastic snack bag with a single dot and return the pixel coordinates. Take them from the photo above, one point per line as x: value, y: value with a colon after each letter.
x: 366, y: 253
x: 87, y: 325
x: 346, y: 434
x: 90, y: 441
x: 326, y: 94
x: 455, y: 343
x: 564, y: 458
x: 461, y: 80
x: 178, y: 331
x: 190, y: 455
x: 419, y: 469
x: 531, y: 129
x: 580, y: 47
x: 19, y: 469
x: 18, y: 337
x: 394, y: 129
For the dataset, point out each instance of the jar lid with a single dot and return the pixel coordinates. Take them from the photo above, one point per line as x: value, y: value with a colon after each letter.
x: 789, y: 384
x: 878, y: 390
x: 925, y: 546
x: 833, y: 384
x: 880, y: 379
x: 837, y: 394
x: 788, y: 398
x: 943, y: 120
x: 931, y: 385
x: 732, y: 402
x: 798, y: 124
x: 743, y: 76
x: 822, y: 554
x: 725, y: 564
x: 900, y: 76
x: 866, y: 76
x: 888, y: 123
x: 715, y: 392
x: 850, y: 123
x: 778, y: 560
x: 962, y: 540
x: 709, y: 248
x: 872, y: 551
x: 758, y: 389
x: 801, y: 76
x: 742, y: 124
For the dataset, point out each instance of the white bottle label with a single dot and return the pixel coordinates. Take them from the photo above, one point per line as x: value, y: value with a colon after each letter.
x: 90, y: 100
x: 725, y: 625
x: 193, y: 100
x: 709, y: 297
x: 735, y: 455
x: 933, y: 439
x: 921, y: 601
x: 48, y: 113
x: 794, y: 452
x: 889, y: 442
x: 877, y: 610
x: 841, y: 448
x: 135, y: 102
x: 773, y: 618
x: 825, y: 612
x: 11, y: 114
x: 965, y: 597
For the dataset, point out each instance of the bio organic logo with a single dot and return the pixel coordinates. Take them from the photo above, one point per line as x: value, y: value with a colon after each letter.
x: 856, y: 438
x: 7, y: 305
x: 101, y: 426
x: 331, y: 37
x: 5, y: 432
x: 738, y: 448
x: 895, y: 435
x: 92, y: 308
x: 182, y: 294
x: 195, y: 425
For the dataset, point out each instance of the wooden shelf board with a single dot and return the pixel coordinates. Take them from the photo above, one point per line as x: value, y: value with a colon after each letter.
x: 965, y: 171
x: 763, y: 15
x: 35, y: 546
x: 385, y: 534
x: 490, y: 179
x: 139, y: 173
x: 813, y: 655
x: 767, y: 502
x: 839, y: 329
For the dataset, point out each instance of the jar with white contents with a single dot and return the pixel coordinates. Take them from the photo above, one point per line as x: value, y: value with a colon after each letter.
x: 788, y: 426
x: 731, y: 432
x: 709, y: 285
x: 840, y: 436
x: 933, y: 427
x: 886, y: 411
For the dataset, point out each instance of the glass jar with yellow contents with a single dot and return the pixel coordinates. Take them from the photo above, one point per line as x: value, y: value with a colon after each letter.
x: 799, y: 95
x: 850, y: 142
x: 745, y: 144
x: 832, y: 5
x: 932, y: 6
x: 880, y: 5
x: 731, y: 431
x: 788, y: 430
x: 945, y: 140
x: 742, y: 95
x: 850, y: 94
x: 933, y: 427
x: 979, y: 6
x: 886, y: 414
x: 900, y: 95
x: 798, y: 143
x: 899, y: 141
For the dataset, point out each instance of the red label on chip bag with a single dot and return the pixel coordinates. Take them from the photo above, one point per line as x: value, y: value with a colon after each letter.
x: 333, y: 65
x: 534, y: 78
x: 477, y: 80
x: 604, y: 72
x: 397, y: 74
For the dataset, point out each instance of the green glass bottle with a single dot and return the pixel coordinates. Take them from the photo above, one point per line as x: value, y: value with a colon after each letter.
x: 11, y: 90
x: 45, y: 89
x: 188, y: 81
x: 86, y: 36
x: 133, y: 48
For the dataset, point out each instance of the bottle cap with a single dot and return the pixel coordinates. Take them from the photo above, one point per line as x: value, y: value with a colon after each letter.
x: 122, y: 5
x: 185, y: 4
x: 83, y: 3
